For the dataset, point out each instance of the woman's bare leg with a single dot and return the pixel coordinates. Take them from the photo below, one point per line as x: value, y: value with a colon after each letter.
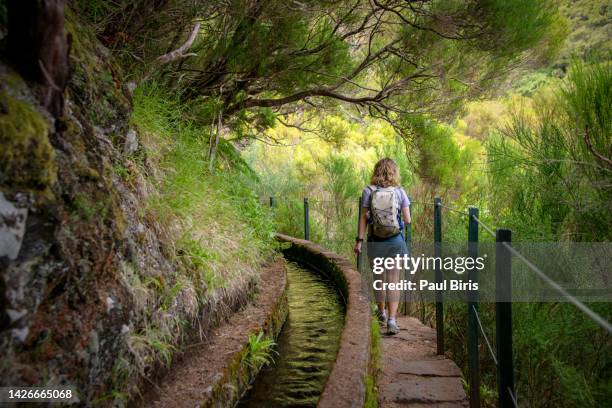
x: 392, y: 276
x: 379, y: 295
x: 393, y: 309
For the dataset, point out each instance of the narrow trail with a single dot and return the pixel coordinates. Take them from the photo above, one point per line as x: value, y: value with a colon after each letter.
x: 413, y: 375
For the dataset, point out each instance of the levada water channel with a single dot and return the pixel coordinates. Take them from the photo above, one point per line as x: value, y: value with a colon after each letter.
x: 306, y: 347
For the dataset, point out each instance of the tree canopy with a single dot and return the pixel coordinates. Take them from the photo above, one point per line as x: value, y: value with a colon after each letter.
x: 253, y: 61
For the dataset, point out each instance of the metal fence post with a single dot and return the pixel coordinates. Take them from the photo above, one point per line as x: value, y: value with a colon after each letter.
x: 503, y: 318
x: 306, y: 220
x: 408, y: 239
x: 472, y: 303
x: 359, y: 210
x: 439, y: 276
x: 272, y: 202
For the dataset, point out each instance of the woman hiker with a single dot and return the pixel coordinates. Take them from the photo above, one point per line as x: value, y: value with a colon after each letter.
x: 385, y: 203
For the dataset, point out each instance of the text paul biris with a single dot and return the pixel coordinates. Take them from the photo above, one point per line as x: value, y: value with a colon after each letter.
x: 458, y: 265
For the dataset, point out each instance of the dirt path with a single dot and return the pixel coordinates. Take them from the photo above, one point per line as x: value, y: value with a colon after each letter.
x: 413, y: 375
x: 191, y: 382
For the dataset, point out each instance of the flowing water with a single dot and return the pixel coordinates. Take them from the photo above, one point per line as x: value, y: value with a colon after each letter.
x: 306, y: 347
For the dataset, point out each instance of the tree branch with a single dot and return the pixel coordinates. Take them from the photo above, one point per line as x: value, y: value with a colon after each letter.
x: 180, y: 51
x: 599, y: 156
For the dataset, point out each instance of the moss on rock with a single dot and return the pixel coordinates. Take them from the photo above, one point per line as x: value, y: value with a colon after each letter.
x: 27, y: 157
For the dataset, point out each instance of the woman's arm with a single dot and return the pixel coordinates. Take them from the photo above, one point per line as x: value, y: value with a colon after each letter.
x: 406, y: 214
x: 361, y: 230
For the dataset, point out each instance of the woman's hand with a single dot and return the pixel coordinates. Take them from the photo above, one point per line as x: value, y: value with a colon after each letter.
x: 357, y: 248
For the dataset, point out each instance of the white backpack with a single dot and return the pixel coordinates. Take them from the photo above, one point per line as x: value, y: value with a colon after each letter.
x: 384, y: 209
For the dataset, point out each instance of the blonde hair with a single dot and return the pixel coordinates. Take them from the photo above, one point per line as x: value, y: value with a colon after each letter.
x: 386, y: 174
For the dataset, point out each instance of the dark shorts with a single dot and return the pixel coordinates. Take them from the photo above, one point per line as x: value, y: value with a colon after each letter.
x: 389, y: 247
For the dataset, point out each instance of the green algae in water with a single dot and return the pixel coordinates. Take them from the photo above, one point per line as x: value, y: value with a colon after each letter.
x: 307, y: 345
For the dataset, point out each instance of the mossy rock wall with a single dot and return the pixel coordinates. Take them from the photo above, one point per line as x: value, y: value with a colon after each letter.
x: 27, y: 155
x: 67, y: 300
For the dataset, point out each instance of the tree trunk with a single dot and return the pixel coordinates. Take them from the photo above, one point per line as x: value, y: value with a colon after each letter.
x: 38, y: 48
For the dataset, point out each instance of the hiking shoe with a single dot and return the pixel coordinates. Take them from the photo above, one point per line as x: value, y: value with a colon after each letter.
x: 392, y: 327
x: 381, y: 316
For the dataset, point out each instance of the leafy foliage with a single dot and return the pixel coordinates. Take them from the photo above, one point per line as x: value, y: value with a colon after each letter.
x: 253, y: 61
x: 556, y: 157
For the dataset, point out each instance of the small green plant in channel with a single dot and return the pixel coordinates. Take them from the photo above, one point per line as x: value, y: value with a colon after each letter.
x: 260, y: 350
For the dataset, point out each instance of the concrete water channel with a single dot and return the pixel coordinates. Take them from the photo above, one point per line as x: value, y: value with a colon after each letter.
x: 306, y: 347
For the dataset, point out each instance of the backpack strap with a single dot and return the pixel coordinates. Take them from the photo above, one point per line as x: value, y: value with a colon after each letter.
x: 400, y: 219
x: 372, y: 189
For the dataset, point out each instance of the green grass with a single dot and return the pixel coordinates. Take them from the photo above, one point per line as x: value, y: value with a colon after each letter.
x: 220, y: 229
x: 375, y: 355
x: 213, y: 228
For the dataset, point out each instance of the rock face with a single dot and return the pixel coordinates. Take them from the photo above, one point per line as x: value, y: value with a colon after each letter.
x: 131, y: 143
x: 12, y: 228
x: 73, y: 242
